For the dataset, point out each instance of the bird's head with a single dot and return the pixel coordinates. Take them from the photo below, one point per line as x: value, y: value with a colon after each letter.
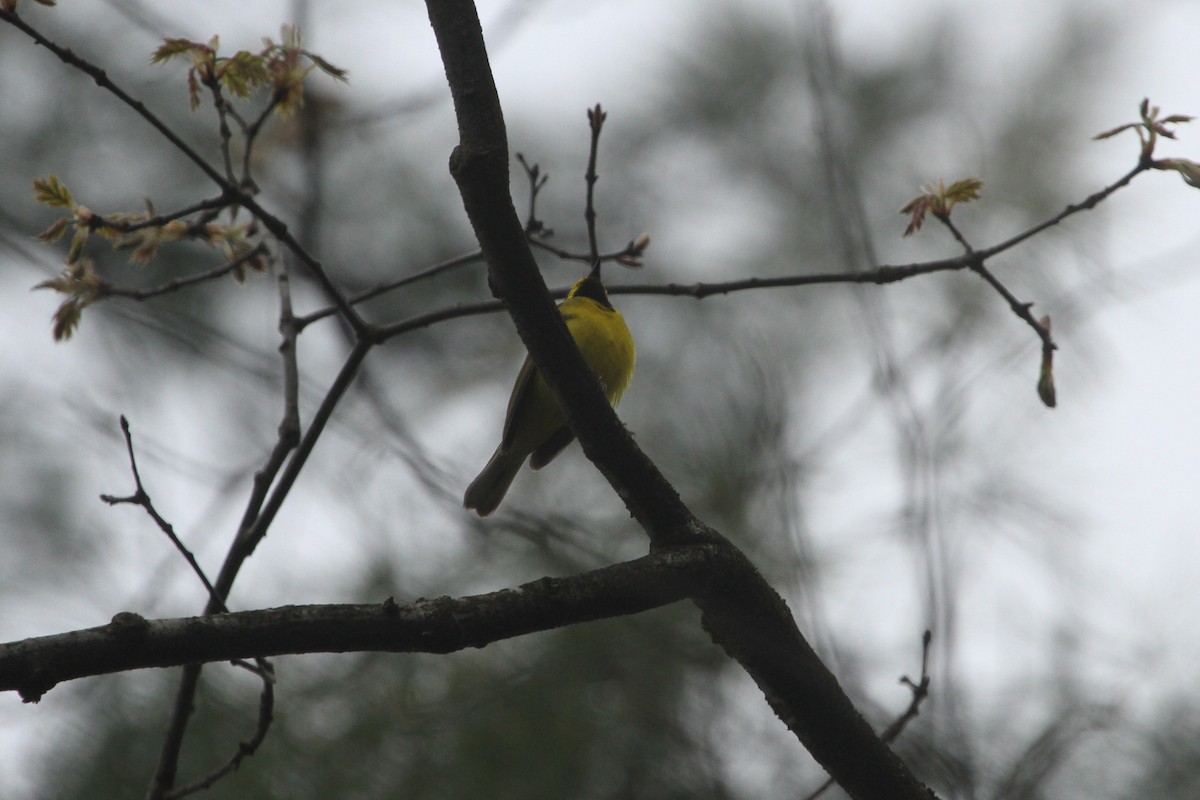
x: 591, y: 287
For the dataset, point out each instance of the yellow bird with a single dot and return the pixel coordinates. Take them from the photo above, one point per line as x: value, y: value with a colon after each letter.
x: 535, y: 426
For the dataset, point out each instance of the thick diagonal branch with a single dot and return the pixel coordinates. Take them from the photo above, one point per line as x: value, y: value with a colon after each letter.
x: 742, y: 613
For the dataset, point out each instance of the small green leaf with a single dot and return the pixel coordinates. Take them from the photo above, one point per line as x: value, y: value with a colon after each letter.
x: 329, y: 69
x: 1045, y: 384
x: 1111, y: 132
x: 1188, y: 170
x: 171, y: 48
x: 193, y: 90
x: 55, y: 231
x: 66, y: 320
x: 916, y: 209
x: 964, y: 191
x: 243, y: 73
x: 50, y: 191
x: 77, y: 242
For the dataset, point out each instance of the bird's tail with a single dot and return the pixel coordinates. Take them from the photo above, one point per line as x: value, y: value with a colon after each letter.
x: 487, y: 490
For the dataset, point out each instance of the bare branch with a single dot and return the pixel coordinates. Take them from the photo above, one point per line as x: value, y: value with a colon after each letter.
x: 263, y: 669
x: 289, y: 426
x: 626, y: 256
x: 252, y: 520
x: 102, y: 80
x: 175, y: 284
x: 632, y: 250
x: 747, y: 617
x: 879, y: 275
x: 383, y: 288
x: 1087, y: 204
x: 596, y: 117
x: 224, y: 111
x: 534, y: 226
x: 442, y: 625
x: 246, y: 747
x: 213, y: 204
x: 141, y: 498
x: 920, y: 691
x: 1023, y: 310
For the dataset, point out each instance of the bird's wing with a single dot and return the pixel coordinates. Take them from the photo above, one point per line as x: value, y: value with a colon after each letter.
x: 550, y: 448
x: 519, y: 394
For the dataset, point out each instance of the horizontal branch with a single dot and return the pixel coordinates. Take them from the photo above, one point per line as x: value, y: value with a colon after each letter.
x: 883, y: 274
x: 878, y: 275
x: 441, y: 625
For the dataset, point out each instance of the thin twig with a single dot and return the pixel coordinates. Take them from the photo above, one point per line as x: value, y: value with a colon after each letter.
x: 976, y: 265
x: 262, y: 668
x: 175, y: 284
x: 880, y: 275
x: 250, y: 134
x: 596, y: 117
x: 385, y: 332
x: 102, y: 80
x: 631, y: 250
x: 1087, y: 204
x: 141, y: 498
x: 289, y: 426
x: 291, y: 471
x: 223, y: 107
x: 920, y: 690
x: 213, y: 204
x: 537, y: 179
x: 625, y: 252
x: 883, y: 274
x: 247, y: 747
x: 289, y: 433
x: 382, y: 288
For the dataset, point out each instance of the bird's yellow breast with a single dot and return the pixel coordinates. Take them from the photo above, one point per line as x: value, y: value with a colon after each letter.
x: 604, y: 340
x: 535, y: 426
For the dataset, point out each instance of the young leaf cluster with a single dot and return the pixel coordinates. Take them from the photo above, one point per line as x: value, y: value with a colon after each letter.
x: 939, y: 200
x: 142, y: 233
x: 1152, y: 125
x: 280, y: 67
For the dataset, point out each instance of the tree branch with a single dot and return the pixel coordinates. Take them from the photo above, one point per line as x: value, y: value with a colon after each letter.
x: 243, y: 545
x: 479, y: 165
x: 141, y: 497
x: 277, y: 227
x: 596, y: 117
x: 741, y: 612
x: 442, y: 625
x: 175, y: 284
